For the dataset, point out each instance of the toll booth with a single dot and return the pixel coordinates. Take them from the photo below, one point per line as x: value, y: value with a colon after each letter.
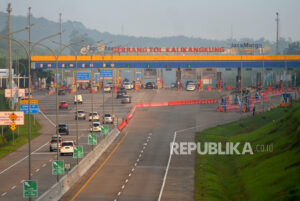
x: 286, y: 100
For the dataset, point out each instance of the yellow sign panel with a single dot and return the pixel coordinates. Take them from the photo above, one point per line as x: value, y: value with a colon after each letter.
x: 13, y: 116
x: 25, y: 102
x: 13, y: 126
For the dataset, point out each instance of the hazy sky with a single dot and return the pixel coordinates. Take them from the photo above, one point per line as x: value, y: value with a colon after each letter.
x: 211, y: 19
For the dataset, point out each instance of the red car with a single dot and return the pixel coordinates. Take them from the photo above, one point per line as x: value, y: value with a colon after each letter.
x: 63, y: 105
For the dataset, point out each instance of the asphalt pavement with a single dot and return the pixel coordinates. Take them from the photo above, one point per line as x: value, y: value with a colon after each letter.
x: 145, y: 148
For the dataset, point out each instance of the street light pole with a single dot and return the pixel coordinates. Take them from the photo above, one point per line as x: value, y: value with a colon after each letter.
x: 29, y: 94
x: 9, y: 9
x: 92, y: 66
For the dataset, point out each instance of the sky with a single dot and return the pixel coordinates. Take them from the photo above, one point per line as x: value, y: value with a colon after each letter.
x: 210, y: 19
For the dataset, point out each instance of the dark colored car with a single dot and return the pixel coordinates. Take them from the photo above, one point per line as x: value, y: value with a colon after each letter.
x: 126, y: 99
x: 63, y: 129
x: 63, y: 105
x: 150, y: 85
x: 121, y: 93
x: 61, y: 92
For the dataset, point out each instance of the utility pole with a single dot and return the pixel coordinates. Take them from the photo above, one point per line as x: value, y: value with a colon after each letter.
x: 277, y: 32
x: 9, y: 9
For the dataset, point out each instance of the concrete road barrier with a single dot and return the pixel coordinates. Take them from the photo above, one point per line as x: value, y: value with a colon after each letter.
x: 67, y: 181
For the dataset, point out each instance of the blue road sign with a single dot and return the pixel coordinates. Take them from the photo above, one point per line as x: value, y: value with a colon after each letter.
x: 34, y: 108
x: 107, y: 74
x: 83, y: 76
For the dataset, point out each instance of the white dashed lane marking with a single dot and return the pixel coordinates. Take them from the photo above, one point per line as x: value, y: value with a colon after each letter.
x: 135, y: 165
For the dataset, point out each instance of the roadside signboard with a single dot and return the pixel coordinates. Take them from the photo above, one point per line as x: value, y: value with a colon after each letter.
x: 6, y: 121
x: 7, y: 92
x: 67, y: 166
x: 108, y: 74
x: 30, y: 189
x: 104, y: 130
x: 58, y: 167
x: 13, y: 116
x: 78, y: 152
x: 34, y: 108
x: 92, y: 140
x: 26, y: 102
x: 13, y: 126
x: 83, y: 76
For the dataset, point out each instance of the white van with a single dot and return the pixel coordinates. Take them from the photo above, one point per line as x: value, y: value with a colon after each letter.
x: 78, y: 99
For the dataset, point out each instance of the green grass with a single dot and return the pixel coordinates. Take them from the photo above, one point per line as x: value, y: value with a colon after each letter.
x: 8, y: 143
x: 269, y: 175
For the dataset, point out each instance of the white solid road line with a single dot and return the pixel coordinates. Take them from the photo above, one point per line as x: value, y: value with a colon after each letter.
x: 16, y: 163
x: 51, y: 122
x: 166, y: 173
x: 170, y: 156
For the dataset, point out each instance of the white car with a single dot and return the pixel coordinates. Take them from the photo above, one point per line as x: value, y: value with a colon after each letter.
x: 128, y: 85
x: 67, y: 147
x: 94, y: 116
x: 107, y: 119
x: 53, y: 142
x: 81, y: 115
x: 191, y: 87
x: 78, y: 99
x: 96, y: 127
x: 107, y: 88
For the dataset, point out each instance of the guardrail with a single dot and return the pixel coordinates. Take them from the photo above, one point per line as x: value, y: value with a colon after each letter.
x: 67, y: 181
x: 163, y: 104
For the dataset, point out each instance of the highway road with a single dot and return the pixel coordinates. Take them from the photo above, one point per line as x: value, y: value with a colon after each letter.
x: 149, y: 134
x: 135, y: 169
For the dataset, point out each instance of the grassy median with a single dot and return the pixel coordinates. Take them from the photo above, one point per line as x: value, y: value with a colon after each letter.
x: 265, y: 175
x: 10, y: 141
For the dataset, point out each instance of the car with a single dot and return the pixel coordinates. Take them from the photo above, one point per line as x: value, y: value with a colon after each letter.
x: 95, y: 127
x: 61, y: 92
x: 128, y: 85
x: 107, y: 119
x: 67, y: 147
x: 189, y: 82
x: 150, y: 85
x: 80, y: 114
x: 63, y: 105
x: 126, y: 99
x: 63, y: 129
x: 191, y: 87
x: 107, y: 89
x: 53, y: 142
x: 94, y: 116
x: 121, y: 93
x: 110, y: 84
x: 78, y: 99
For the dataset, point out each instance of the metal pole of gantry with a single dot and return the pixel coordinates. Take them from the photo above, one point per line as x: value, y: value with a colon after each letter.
x: 56, y: 115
